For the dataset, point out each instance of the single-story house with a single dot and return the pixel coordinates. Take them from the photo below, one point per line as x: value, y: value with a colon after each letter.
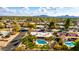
x: 42, y: 34
x: 40, y: 26
x: 5, y: 33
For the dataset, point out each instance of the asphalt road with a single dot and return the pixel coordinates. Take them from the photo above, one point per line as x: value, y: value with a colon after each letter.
x: 14, y: 43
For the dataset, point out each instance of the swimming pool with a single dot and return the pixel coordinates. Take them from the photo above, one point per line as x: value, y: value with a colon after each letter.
x: 69, y: 44
x: 41, y: 41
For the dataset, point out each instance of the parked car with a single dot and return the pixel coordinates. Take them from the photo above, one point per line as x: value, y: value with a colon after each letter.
x: 14, y: 41
x: 15, y: 44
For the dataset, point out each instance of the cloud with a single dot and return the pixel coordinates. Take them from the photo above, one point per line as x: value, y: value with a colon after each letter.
x: 34, y: 11
x: 13, y: 11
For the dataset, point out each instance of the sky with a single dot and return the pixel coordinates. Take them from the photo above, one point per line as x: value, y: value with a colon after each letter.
x: 36, y: 11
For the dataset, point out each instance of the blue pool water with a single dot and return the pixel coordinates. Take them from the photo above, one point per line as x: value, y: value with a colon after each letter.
x: 70, y: 44
x: 41, y: 41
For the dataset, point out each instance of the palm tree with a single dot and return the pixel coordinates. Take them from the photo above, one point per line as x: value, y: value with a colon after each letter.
x: 28, y: 41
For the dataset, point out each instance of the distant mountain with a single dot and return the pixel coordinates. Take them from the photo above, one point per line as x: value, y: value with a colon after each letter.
x: 63, y: 16
x: 42, y: 16
x: 67, y: 16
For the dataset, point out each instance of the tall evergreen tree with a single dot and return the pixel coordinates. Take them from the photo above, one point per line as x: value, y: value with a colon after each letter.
x: 67, y: 23
x: 51, y: 25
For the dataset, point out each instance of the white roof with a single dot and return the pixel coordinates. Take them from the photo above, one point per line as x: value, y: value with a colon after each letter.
x: 42, y: 34
x: 73, y: 27
x: 61, y: 23
x: 4, y: 33
x: 37, y: 29
x: 61, y: 26
x: 55, y: 29
x: 40, y: 26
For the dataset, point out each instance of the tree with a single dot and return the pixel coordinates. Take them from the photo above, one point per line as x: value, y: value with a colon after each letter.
x: 49, y: 38
x: 51, y: 25
x: 76, y: 48
x: 28, y: 41
x: 57, y: 47
x: 67, y: 24
x: 31, y: 26
x: 30, y: 45
x: 22, y: 48
x: 64, y: 47
x: 45, y: 47
x: 2, y: 25
x: 55, y: 34
x: 17, y: 27
x: 25, y: 24
x: 60, y: 41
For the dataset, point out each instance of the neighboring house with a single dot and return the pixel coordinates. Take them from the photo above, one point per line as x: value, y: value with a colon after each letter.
x: 9, y: 25
x: 40, y: 26
x: 40, y: 23
x: 5, y: 33
x: 73, y: 26
x: 42, y: 34
x: 61, y: 27
x: 61, y: 23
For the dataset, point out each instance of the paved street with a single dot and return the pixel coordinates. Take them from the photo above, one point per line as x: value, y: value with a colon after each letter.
x: 14, y: 43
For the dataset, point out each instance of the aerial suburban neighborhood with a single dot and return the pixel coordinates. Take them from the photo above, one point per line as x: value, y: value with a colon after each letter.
x: 21, y: 33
